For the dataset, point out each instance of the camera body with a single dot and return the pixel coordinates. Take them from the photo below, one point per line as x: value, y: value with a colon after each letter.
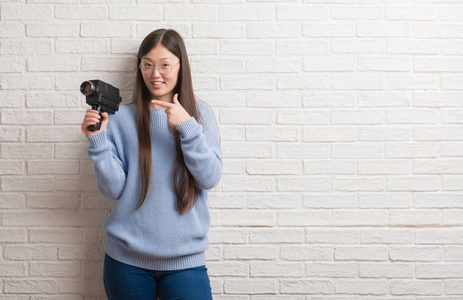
x: 102, y: 96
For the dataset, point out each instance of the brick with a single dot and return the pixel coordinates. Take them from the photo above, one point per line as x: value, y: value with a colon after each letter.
x: 262, y: 167
x: 75, y: 12
x: 249, y: 252
x: 11, y: 99
x: 332, y: 236
x: 9, y: 167
x: 412, y: 12
x: 244, y: 82
x: 56, y: 235
x: 107, y: 29
x: 357, y: 150
x: 26, y: 151
x: 304, y: 253
x: 384, y: 29
x: 26, y: 47
x: 438, y: 133
x: 30, y: 252
x: 273, y: 65
x: 452, y: 82
x: 322, y: 269
x: 395, y: 64
x: 246, y: 47
x: 29, y: 82
x: 303, y: 150
x: 248, y: 116
x: 188, y: 13
x: 13, y: 269
x: 250, y: 286
x: 227, y: 235
x: 452, y: 116
x: 384, y: 99
x: 384, y: 133
x: 330, y: 201
x: 247, y: 13
x: 273, y: 30
x: 329, y: 30
x: 412, y: 82
x: 304, y: 286
x: 453, y: 253
x: 32, y: 117
x: 211, y: 65
x: 387, y: 236
x: 302, y: 47
x: 453, y: 287
x: 437, y: 99
x: 438, y: 200
x: 12, y: 200
x: 452, y: 46
x: 12, y: 30
x: 12, y: 64
x: 119, y: 63
x: 10, y: 134
x: 356, y: 46
x: 30, y: 286
x: 284, y: 269
x: 364, y: 253
x: 452, y: 183
x: 306, y: 184
x: 357, y: 12
x: 452, y: 149
x: 439, y: 236
x: 226, y: 201
x: 247, y: 184
x: 329, y: 63
x: 419, y: 253
x: 247, y: 218
x: 357, y: 82
x: 416, y: 287
x: 329, y: 167
x: 359, y: 218
x: 301, y: 12
x: 415, y: 217
x: 413, y: 46
x: 57, y: 99
x: 27, y: 183
x: 362, y: 287
x: 329, y: 134
x: 304, y: 218
x: 276, y: 235
x: 54, y: 134
x: 332, y: 99
x: 218, y: 31
x: 431, y: 30
x: 413, y: 183
x: 52, y: 30
x: 247, y: 150
x: 386, y: 200
x: 412, y: 150
x: 13, y: 235
x: 386, y: 270
x: 26, y: 12
x: 272, y: 133
x: 319, y: 82
x: 412, y: 116
x: 55, y: 269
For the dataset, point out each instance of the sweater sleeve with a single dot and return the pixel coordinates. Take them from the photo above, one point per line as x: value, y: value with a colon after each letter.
x: 109, y: 170
x: 201, y: 149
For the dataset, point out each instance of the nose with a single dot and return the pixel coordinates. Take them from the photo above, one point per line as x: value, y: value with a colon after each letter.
x: 156, y: 72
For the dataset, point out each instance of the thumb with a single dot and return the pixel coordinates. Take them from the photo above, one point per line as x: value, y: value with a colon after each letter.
x: 175, y: 100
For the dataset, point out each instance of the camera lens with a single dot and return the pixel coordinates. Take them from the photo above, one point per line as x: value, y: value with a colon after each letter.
x: 87, y: 88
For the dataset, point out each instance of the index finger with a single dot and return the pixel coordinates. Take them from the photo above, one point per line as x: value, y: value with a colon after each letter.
x: 162, y: 103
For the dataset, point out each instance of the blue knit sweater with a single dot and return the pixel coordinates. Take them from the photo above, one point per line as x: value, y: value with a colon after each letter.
x: 156, y: 236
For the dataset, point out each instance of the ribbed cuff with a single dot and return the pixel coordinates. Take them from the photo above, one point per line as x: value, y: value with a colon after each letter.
x: 188, y: 128
x: 97, y: 140
x: 123, y: 255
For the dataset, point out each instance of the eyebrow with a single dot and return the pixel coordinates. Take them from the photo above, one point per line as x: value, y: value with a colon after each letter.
x: 164, y: 58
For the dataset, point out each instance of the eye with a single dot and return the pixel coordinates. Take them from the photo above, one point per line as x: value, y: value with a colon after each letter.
x: 165, y: 66
x: 148, y: 64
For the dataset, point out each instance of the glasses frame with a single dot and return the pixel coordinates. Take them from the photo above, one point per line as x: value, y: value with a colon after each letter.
x: 157, y: 67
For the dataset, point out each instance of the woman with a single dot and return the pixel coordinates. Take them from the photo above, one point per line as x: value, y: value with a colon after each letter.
x: 158, y: 156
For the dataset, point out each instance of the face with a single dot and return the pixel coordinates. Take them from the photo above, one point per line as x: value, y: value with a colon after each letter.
x: 161, y: 86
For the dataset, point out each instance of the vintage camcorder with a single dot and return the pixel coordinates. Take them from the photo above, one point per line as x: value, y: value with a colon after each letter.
x: 102, y: 97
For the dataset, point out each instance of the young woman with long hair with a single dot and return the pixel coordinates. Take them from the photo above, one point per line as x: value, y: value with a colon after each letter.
x: 158, y: 157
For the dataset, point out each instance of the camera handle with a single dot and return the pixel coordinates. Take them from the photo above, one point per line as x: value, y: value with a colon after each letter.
x: 97, y: 126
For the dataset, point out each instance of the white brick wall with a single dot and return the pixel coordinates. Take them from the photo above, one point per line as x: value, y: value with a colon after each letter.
x: 342, y: 134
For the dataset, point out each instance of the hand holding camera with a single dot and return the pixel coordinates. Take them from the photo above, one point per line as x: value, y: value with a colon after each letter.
x: 104, y: 99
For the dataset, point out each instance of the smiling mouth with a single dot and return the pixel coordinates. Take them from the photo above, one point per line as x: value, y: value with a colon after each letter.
x: 157, y: 83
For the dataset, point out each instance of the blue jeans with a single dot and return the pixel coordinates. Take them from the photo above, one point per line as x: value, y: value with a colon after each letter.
x: 125, y: 282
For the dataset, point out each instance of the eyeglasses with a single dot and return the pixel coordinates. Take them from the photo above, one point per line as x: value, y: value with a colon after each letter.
x: 164, y: 69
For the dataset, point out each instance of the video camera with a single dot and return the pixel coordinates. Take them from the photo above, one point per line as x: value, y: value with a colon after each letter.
x: 102, y: 97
